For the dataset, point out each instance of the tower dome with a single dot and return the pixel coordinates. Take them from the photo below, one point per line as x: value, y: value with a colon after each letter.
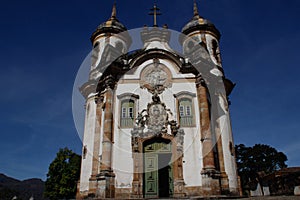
x: 112, y: 25
x: 198, y: 23
x: 110, y: 40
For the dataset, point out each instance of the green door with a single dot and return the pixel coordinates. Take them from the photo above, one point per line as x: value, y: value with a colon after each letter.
x: 158, y: 171
x: 151, y: 175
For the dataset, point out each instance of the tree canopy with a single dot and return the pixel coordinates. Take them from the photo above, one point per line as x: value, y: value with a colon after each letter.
x: 63, y: 174
x: 257, y: 160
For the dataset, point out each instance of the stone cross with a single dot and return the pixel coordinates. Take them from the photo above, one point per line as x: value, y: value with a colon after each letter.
x: 155, y: 12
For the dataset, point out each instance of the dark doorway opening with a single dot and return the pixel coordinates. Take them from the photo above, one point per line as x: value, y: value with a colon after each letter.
x: 164, y: 179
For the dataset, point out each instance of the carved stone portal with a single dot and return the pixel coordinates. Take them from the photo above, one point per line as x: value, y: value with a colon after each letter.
x: 157, y: 122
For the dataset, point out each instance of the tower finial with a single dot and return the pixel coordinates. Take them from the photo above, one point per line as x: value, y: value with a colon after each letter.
x: 196, y: 13
x: 114, y: 11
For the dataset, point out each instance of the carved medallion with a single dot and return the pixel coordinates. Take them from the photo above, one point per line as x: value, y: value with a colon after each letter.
x: 156, y: 77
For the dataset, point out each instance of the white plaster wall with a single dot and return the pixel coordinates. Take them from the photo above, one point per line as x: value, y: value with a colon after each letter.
x: 192, y: 164
x: 193, y: 161
x: 229, y: 159
x: 123, y: 162
x: 88, y: 141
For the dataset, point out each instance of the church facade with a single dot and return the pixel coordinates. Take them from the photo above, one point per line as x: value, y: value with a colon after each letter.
x: 157, y: 122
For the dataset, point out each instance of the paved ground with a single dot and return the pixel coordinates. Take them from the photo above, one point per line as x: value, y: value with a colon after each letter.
x: 274, y: 198
x: 250, y: 198
x: 258, y: 198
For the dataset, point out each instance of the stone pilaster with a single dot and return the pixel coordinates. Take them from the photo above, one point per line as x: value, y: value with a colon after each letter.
x: 206, y: 136
x: 210, y: 177
x: 96, y: 161
x: 224, y: 182
x: 223, y: 176
x: 106, y: 178
x: 178, y: 168
x: 107, y: 132
x: 137, y: 186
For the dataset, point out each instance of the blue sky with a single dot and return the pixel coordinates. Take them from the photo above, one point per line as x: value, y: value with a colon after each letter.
x: 42, y: 44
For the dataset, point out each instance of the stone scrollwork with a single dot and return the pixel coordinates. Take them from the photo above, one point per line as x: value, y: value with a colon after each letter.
x: 180, y: 139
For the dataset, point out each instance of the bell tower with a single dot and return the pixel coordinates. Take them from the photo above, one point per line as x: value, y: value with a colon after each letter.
x: 109, y: 42
x: 201, y: 31
x: 219, y: 168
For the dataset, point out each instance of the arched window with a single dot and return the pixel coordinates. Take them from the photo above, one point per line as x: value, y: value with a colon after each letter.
x: 127, y: 113
x: 95, y: 53
x: 96, y: 45
x: 185, y: 108
x: 185, y: 112
x: 127, y: 109
x: 215, y: 50
x: 119, y: 46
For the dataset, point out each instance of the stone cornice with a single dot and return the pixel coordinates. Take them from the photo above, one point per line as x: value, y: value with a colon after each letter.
x: 88, y: 88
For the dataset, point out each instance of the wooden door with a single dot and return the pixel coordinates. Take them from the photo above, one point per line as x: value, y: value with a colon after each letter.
x: 158, y: 171
x: 151, y: 175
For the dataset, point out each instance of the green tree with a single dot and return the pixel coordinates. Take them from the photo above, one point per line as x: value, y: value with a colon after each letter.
x: 63, y: 175
x: 261, y: 159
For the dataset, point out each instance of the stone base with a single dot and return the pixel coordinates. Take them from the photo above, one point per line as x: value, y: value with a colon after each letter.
x: 224, y: 184
x: 210, y: 186
x: 105, y: 185
x: 193, y: 191
x: 92, y: 186
x: 179, y: 189
x: 123, y: 193
x: 137, y: 190
x: 82, y: 194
